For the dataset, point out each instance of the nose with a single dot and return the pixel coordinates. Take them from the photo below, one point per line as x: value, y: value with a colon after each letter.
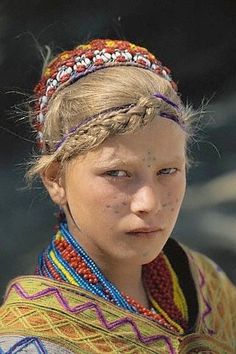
x: 146, y: 200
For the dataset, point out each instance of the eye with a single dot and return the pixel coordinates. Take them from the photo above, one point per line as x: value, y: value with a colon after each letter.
x: 167, y: 171
x: 116, y: 173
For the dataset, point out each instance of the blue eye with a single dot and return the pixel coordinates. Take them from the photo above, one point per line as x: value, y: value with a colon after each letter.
x: 121, y: 173
x: 167, y: 171
x: 116, y: 173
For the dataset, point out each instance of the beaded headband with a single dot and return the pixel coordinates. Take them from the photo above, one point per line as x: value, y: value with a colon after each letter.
x: 70, y: 66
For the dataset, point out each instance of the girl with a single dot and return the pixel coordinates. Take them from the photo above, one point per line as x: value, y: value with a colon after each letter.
x: 113, y: 134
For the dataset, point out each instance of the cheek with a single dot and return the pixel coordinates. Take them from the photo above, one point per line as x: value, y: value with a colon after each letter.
x: 174, y: 197
x: 175, y: 205
x: 107, y: 200
x: 112, y: 208
x: 116, y: 206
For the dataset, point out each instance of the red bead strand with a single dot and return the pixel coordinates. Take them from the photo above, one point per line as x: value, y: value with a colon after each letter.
x: 157, y: 279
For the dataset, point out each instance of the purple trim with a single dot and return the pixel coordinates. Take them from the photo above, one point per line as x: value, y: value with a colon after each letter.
x: 166, y: 99
x: 91, y: 305
x: 208, y: 309
x: 173, y: 117
x: 89, y: 119
x: 25, y: 342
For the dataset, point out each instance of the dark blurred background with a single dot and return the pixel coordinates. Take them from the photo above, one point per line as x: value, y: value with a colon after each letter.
x: 196, y: 39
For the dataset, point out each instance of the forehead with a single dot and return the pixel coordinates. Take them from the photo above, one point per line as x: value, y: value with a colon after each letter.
x: 161, y: 139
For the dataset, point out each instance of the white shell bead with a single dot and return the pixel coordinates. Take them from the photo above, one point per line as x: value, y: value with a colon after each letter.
x: 87, y: 61
x: 107, y: 55
x: 128, y: 56
x: 69, y: 70
x: 44, y: 99
x: 49, y: 81
x: 39, y: 136
x: 105, y: 59
x: 40, y: 117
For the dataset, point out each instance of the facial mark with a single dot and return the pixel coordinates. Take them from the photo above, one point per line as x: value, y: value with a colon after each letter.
x: 164, y: 205
x: 115, y: 208
x: 145, y: 254
x: 150, y: 159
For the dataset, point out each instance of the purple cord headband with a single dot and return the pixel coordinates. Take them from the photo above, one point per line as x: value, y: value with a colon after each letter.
x: 123, y: 109
x: 166, y: 99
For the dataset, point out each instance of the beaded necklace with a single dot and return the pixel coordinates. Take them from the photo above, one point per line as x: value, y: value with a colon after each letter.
x: 65, y: 260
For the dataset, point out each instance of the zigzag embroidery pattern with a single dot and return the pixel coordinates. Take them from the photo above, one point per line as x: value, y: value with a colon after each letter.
x: 202, y: 283
x: 26, y: 342
x: 90, y: 305
x: 208, y: 309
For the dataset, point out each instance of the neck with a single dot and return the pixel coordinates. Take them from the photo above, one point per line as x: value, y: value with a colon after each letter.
x: 126, y: 278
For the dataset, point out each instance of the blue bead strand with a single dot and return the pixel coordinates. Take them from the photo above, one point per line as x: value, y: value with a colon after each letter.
x: 79, y: 279
x: 44, y: 267
x: 81, y: 252
x: 117, y: 296
x: 107, y: 285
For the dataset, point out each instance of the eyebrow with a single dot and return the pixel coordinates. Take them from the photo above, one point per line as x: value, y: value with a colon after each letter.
x: 126, y: 162
x: 114, y: 161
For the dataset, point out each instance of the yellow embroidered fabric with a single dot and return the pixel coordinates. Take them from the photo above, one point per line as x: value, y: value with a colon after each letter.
x: 80, y: 322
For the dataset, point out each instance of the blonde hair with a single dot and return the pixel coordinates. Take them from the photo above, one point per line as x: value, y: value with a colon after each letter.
x: 98, y: 92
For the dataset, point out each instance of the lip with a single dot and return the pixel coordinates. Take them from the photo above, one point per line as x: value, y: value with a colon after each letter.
x: 145, y: 230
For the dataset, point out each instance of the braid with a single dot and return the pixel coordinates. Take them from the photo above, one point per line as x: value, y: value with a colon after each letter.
x: 113, y: 122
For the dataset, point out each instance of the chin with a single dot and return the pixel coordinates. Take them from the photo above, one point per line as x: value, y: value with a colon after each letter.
x: 149, y: 257
x: 138, y: 257
x: 142, y: 250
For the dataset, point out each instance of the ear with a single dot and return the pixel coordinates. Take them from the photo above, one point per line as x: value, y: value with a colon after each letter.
x: 53, y: 181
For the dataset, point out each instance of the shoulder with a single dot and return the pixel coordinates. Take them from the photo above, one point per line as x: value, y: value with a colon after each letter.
x: 208, y: 269
x: 209, y: 274
x: 216, y: 297
x: 217, y: 294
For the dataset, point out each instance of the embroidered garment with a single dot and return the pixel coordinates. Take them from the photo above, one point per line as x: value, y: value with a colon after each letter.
x: 64, y: 259
x: 41, y: 315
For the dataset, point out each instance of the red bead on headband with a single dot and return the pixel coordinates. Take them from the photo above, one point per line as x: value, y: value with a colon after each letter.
x: 69, y: 66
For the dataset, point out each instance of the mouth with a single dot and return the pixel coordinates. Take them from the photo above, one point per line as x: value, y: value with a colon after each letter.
x: 144, y: 233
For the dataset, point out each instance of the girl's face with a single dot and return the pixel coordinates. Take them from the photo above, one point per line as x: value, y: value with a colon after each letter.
x: 134, y: 181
